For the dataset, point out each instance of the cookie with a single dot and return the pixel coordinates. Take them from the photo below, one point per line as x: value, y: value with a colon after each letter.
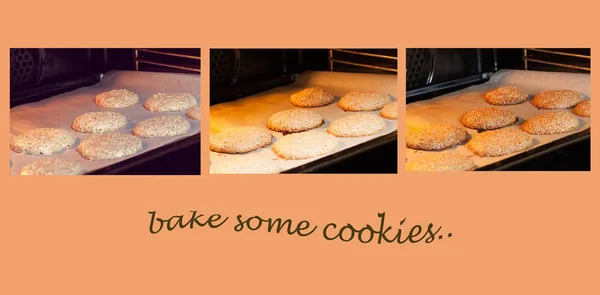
x: 43, y: 141
x: 170, y: 102
x: 488, y: 118
x: 305, y: 145
x: 499, y: 142
x: 194, y: 112
x: 443, y: 162
x: 507, y: 95
x: 436, y: 137
x: 550, y: 123
x: 360, y: 101
x: 357, y: 125
x: 311, y: 98
x: 390, y: 111
x: 116, y: 99
x: 162, y: 126
x: 109, y: 146
x: 292, y: 121
x: 99, y: 122
x: 557, y: 99
x: 240, y: 140
x: 52, y: 166
x: 583, y: 109
x: 245, y: 165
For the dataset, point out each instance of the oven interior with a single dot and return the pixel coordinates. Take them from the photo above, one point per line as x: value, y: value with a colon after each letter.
x: 237, y: 73
x: 40, y: 73
x: 434, y: 72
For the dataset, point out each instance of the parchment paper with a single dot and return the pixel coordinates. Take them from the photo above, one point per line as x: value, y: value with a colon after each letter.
x: 255, y: 110
x: 59, y: 112
x: 451, y: 107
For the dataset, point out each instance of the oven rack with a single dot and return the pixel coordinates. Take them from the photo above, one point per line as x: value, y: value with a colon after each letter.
x: 368, y: 60
x: 166, y: 58
x: 560, y: 58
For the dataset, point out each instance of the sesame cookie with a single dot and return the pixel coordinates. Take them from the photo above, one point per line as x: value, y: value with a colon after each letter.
x: 583, y: 109
x: 52, y: 166
x: 360, y: 101
x: 557, y: 99
x: 240, y: 140
x: 162, y: 126
x: 311, y: 98
x: 109, y: 146
x: 291, y: 121
x: 436, y: 137
x: 245, y: 165
x: 507, y: 95
x: 194, y: 112
x: 390, y: 111
x: 443, y: 162
x: 99, y: 122
x: 170, y: 102
x: 499, y: 142
x: 550, y: 123
x: 488, y: 118
x: 43, y: 141
x: 305, y: 145
x: 357, y: 125
x: 116, y: 99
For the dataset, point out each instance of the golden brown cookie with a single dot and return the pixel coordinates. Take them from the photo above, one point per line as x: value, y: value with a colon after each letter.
x: 360, y: 101
x: 296, y: 120
x: 443, y: 162
x: 390, y: 111
x: 507, y: 95
x: 557, y: 99
x: 116, y: 99
x: 311, y: 98
x: 99, y: 122
x: 499, y: 142
x: 240, y: 140
x: 550, y: 123
x: 583, y: 109
x: 436, y: 137
x: 305, y: 145
x: 170, y: 102
x: 357, y: 125
x: 488, y: 118
x: 109, y: 146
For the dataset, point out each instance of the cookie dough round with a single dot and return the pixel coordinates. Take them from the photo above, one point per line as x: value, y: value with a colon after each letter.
x: 499, y: 142
x: 116, y: 99
x: 245, y: 165
x: 53, y: 166
x: 292, y: 121
x: 240, y: 140
x: 488, y: 118
x: 311, y: 98
x: 361, y: 101
x: 99, y: 122
x: 43, y: 141
x: 550, y: 123
x: 436, y: 137
x: 557, y: 99
x: 109, y: 146
x: 390, y: 111
x: 194, y: 112
x: 170, y: 102
x: 583, y: 109
x: 443, y: 162
x: 507, y: 95
x: 162, y: 126
x: 357, y: 125
x: 305, y: 145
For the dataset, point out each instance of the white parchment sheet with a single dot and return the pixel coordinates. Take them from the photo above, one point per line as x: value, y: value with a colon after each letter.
x: 255, y: 110
x: 451, y: 107
x: 59, y: 112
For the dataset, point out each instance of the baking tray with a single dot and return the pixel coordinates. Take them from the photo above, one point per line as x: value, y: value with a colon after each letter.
x: 59, y: 112
x: 255, y: 110
x: 449, y: 109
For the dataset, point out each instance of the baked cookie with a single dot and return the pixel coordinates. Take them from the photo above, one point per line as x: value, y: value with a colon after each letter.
x: 550, y: 123
x: 162, y: 126
x: 583, y: 109
x: 390, y: 111
x: 305, y: 145
x: 557, y: 99
x: 116, y: 99
x: 311, y: 98
x: 99, y: 122
x: 246, y: 164
x: 292, y: 121
x: 109, y: 146
x: 488, y: 118
x: 52, y: 166
x: 443, y: 162
x: 170, y: 102
x: 436, y: 137
x: 499, y: 142
x: 240, y: 140
x: 506, y: 95
x: 357, y: 125
x: 194, y: 112
x: 43, y: 141
x: 360, y: 101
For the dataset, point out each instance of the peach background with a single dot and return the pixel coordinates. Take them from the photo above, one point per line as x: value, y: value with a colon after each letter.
x: 513, y: 233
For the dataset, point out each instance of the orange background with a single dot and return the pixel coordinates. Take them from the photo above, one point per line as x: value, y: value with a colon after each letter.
x: 513, y: 233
